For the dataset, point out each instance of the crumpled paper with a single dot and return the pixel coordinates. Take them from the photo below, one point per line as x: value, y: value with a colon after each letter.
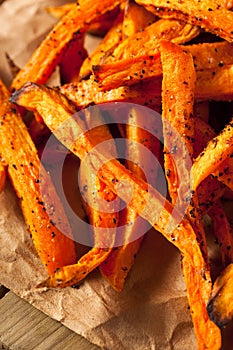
x: 152, y: 311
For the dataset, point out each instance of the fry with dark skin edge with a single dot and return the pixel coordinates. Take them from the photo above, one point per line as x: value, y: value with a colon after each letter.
x: 2, y: 177
x: 146, y: 202
x: 28, y: 177
x: 209, y: 15
x: 222, y: 232
x: 208, y: 161
x: 220, y: 306
x: 118, y: 264
x: 48, y: 55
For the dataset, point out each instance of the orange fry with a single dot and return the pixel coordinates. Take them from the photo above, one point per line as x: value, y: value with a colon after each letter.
x: 28, y: 178
x: 178, y: 124
x: 211, y: 16
x: 146, y: 201
x: 46, y: 57
x: 208, y: 161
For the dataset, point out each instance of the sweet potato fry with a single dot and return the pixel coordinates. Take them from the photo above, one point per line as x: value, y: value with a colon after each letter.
x: 146, y: 201
x: 220, y: 306
x: 222, y: 232
x: 118, y: 264
x: 211, y: 16
x: 128, y: 71
x: 207, y: 57
x: 147, y: 41
x: 2, y: 177
x: 177, y: 103
x: 28, y: 178
x: 108, y: 44
x: 208, y: 161
x: 49, y: 53
x: 87, y: 92
x: 136, y: 18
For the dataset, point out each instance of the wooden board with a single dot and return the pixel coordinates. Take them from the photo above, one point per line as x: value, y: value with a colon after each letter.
x: 24, y: 327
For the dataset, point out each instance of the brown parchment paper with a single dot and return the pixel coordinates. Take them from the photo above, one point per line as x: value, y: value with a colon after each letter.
x: 152, y: 311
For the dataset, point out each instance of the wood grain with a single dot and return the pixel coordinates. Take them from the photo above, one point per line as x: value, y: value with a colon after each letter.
x: 24, y: 327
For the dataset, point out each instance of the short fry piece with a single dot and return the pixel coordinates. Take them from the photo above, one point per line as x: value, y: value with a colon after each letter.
x: 43, y: 218
x: 209, y: 15
x: 220, y: 306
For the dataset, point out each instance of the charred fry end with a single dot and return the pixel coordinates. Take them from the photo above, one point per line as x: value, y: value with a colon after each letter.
x: 220, y: 306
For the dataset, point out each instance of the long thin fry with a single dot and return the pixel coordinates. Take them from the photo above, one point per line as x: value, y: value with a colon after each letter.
x: 45, y: 58
x: 209, y: 15
x: 158, y: 211
x: 178, y: 124
x: 28, y: 178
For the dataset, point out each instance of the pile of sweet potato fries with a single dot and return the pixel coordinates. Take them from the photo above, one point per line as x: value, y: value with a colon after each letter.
x: 173, y: 57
